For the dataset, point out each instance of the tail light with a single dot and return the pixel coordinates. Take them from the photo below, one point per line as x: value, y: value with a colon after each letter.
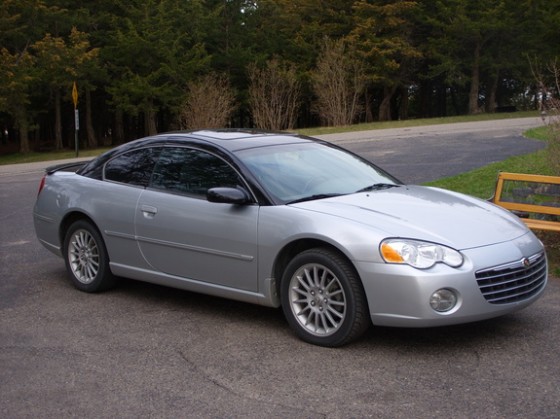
x: 42, y: 184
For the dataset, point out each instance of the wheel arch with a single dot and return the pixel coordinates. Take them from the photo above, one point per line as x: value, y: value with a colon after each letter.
x: 70, y: 219
x: 294, y: 248
x: 89, y: 267
x: 308, y: 308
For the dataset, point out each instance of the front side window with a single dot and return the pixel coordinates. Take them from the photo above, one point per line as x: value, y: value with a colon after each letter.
x: 192, y: 172
x: 134, y: 167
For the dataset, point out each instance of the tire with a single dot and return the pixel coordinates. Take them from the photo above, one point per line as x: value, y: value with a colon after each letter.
x: 323, y: 299
x: 87, y: 261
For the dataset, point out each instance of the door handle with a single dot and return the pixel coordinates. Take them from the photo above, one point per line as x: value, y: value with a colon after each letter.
x: 148, y: 210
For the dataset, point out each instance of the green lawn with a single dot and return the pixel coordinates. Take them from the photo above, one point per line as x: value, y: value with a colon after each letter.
x: 32, y: 157
x: 417, y: 122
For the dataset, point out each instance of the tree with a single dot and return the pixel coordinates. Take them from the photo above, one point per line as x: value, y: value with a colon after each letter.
x: 382, y: 34
x: 295, y: 29
x: 469, y: 41
x: 152, y: 56
x: 547, y: 78
x: 23, y: 23
x: 133, y: 60
x: 274, y: 95
x: 210, y: 103
x: 52, y: 59
x: 60, y: 63
x: 17, y: 75
x: 338, y: 82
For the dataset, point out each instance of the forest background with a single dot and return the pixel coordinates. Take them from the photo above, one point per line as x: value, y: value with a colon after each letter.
x: 147, y: 66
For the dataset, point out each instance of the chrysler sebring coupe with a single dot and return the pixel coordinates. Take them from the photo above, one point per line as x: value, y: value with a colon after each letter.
x: 287, y: 221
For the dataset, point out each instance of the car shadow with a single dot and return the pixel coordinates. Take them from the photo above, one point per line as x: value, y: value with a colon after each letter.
x: 485, y: 332
x: 215, y: 309
x: 176, y: 299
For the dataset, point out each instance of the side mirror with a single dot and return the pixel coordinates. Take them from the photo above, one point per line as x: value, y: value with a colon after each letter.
x: 236, y: 196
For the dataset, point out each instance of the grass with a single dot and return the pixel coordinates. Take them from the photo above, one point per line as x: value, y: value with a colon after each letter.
x: 416, y: 122
x: 16, y: 158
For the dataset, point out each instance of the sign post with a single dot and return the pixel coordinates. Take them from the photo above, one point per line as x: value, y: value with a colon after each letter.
x: 76, y: 116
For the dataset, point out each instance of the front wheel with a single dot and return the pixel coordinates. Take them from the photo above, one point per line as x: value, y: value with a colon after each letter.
x: 87, y: 261
x: 323, y: 298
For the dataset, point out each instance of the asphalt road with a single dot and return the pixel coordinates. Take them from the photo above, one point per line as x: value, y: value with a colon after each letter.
x: 422, y: 154
x: 148, y: 351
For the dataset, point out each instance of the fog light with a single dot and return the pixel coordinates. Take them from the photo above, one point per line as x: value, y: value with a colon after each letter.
x: 443, y: 300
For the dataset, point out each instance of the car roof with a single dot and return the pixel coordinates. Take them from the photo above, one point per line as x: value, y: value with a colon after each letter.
x: 230, y: 140
x: 238, y: 139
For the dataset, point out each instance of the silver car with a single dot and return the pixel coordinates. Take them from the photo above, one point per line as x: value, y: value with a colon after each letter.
x: 287, y: 221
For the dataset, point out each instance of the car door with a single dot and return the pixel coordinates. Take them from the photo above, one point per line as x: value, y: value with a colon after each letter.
x: 180, y: 233
x: 114, y: 205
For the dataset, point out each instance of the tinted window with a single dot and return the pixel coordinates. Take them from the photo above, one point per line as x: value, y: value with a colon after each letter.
x: 192, y: 172
x: 134, y: 167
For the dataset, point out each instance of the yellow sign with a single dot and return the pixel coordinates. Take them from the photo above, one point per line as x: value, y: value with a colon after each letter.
x: 75, y: 95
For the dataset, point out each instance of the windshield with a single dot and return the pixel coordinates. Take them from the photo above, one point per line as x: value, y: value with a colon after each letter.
x: 296, y: 172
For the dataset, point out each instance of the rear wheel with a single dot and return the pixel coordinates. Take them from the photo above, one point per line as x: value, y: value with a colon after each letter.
x: 323, y: 298
x: 86, y: 258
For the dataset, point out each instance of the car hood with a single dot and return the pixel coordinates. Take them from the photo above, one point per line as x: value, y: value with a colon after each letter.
x: 425, y: 213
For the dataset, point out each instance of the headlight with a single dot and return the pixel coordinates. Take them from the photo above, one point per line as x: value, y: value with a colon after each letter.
x: 419, y: 254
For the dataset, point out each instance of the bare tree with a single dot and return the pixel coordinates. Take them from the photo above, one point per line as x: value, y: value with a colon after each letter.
x: 553, y: 109
x: 548, y: 82
x: 274, y: 95
x: 338, y: 83
x: 210, y: 103
x: 554, y: 69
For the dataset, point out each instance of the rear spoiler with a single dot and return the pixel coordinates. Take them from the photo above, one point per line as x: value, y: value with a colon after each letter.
x: 66, y: 167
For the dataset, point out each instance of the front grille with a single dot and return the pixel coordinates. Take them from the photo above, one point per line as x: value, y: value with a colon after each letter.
x: 513, y: 282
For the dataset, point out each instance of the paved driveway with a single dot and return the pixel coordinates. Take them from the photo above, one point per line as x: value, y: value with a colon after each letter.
x: 423, y: 154
x: 144, y: 351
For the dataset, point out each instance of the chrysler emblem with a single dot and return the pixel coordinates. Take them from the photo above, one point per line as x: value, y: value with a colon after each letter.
x: 526, y: 262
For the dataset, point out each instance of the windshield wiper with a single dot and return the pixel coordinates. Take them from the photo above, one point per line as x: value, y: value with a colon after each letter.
x: 314, y: 197
x: 378, y: 186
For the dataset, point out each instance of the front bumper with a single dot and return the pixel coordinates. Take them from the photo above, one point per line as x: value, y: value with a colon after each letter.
x: 399, y: 295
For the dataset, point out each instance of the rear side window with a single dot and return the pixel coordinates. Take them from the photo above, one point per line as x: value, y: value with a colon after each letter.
x: 134, y: 167
x: 192, y: 172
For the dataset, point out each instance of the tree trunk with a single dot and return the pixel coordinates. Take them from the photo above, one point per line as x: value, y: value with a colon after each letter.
x: 23, y: 127
x: 457, y: 106
x: 475, y: 81
x: 491, y: 101
x: 150, y: 121
x: 441, y: 98
x: 404, y: 105
x: 57, y: 121
x: 427, y: 98
x: 24, y: 138
x: 118, y: 135
x: 368, y: 112
x: 385, y: 106
x: 90, y: 131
